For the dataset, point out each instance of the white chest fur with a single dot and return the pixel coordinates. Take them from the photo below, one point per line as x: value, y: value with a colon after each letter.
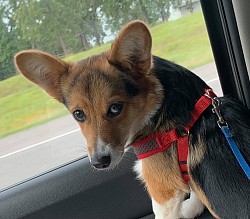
x: 138, y: 169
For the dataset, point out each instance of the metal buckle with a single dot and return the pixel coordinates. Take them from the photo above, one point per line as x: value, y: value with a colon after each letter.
x: 216, y: 104
x: 207, y: 94
x: 182, y: 131
x: 216, y: 108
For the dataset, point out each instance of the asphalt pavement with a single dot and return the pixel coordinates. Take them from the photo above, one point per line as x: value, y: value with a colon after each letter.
x: 39, y: 149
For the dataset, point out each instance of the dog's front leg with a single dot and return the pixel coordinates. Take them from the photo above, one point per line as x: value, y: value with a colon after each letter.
x: 170, y: 209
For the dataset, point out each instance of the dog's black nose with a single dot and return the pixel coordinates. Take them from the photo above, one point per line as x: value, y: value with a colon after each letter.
x: 101, y: 162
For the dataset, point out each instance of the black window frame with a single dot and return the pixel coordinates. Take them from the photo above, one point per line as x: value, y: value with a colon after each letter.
x: 227, y: 49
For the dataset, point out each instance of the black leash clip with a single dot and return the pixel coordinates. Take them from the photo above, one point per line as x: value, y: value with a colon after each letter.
x: 216, y: 108
x: 216, y: 104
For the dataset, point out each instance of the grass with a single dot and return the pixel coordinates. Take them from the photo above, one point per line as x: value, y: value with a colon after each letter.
x: 24, y: 105
x: 24, y: 108
x: 85, y: 54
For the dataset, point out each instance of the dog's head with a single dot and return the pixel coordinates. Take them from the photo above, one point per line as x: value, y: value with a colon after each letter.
x: 111, y: 95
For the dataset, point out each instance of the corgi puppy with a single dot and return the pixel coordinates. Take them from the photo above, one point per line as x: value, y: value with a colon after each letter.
x: 124, y: 95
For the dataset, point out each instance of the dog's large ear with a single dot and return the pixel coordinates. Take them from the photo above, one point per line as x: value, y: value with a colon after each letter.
x: 42, y: 69
x: 131, y: 49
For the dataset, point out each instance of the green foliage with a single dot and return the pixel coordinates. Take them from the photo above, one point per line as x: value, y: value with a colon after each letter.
x: 9, y: 42
x: 116, y: 12
x: 60, y: 26
x: 63, y: 27
x: 184, y: 41
x: 25, y: 105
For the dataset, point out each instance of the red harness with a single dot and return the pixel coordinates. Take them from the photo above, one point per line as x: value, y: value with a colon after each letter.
x: 159, y: 142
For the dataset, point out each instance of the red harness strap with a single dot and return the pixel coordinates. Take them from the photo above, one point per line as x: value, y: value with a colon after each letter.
x: 159, y: 142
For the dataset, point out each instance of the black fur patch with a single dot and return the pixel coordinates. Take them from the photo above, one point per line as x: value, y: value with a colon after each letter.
x: 130, y: 86
x: 182, y: 89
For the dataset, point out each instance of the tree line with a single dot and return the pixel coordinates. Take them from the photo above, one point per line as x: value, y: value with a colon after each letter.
x: 62, y: 27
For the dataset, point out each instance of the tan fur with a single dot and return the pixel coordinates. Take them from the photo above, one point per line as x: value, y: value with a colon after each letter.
x: 135, y: 35
x: 197, y: 154
x: 47, y: 70
x: 161, y: 174
x: 195, y: 158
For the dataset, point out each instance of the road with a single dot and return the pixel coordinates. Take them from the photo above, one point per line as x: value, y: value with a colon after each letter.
x: 36, y: 150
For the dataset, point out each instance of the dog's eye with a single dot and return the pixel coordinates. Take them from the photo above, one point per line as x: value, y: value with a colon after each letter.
x: 79, y: 115
x: 115, y: 109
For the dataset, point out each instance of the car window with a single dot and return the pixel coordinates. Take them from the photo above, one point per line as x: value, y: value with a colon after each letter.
x: 36, y: 132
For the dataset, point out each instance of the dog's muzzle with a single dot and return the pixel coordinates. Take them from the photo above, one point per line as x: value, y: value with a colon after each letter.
x: 101, y: 162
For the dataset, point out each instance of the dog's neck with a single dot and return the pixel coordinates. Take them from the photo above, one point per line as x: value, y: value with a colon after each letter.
x: 182, y: 89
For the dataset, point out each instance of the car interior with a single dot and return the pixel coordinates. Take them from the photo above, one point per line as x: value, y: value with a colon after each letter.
x: 76, y: 190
